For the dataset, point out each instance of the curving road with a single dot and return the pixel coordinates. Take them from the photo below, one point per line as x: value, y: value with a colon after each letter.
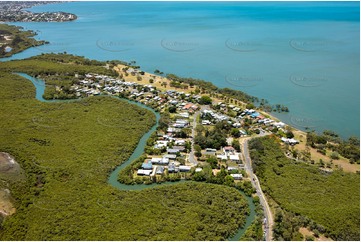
x: 268, y: 225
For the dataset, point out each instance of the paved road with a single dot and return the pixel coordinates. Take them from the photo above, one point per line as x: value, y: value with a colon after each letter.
x: 191, y: 157
x: 255, y: 183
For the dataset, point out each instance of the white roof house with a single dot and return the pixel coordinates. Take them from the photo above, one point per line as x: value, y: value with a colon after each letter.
x: 180, y: 142
x: 160, y: 161
x: 142, y: 172
x: 232, y: 168
x: 289, y: 141
x: 236, y: 125
x: 234, y: 157
x: 206, y: 122
x: 184, y: 168
x: 161, y: 143
x: 210, y: 151
x: 237, y: 176
x: 222, y: 157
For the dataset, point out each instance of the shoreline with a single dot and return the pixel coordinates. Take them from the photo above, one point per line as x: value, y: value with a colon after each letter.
x: 158, y: 79
x: 299, y: 134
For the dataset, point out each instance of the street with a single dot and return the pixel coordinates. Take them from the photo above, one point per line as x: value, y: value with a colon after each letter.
x: 255, y: 182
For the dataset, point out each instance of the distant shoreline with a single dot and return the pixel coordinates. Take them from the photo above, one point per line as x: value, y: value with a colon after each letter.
x: 15, y: 12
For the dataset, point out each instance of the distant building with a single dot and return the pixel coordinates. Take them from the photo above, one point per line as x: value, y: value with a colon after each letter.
x: 142, y: 172
x: 147, y: 165
x: 160, y: 161
x: 232, y: 168
x: 173, y: 151
x: 170, y: 157
x: 222, y: 157
x: 184, y: 168
x: 210, y: 151
x: 159, y: 170
x: 289, y: 141
x: 198, y: 169
x: 237, y: 176
x: 172, y: 168
x: 180, y: 142
x: 228, y: 150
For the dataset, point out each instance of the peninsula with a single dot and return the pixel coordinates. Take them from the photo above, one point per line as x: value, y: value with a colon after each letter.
x: 14, y: 11
x: 89, y: 119
x: 203, y: 136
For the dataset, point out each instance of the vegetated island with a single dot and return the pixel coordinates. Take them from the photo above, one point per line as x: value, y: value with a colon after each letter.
x: 13, y: 11
x: 76, y: 76
x: 14, y: 39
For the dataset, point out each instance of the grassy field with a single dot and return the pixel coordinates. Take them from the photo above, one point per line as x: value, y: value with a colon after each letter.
x: 341, y: 162
x: 332, y: 200
x: 67, y: 151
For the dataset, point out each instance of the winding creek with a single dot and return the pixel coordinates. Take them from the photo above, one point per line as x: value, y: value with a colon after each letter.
x: 112, y: 180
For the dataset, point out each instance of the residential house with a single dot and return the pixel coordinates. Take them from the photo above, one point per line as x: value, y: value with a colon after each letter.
x: 237, y: 176
x: 172, y: 151
x: 142, y: 172
x: 235, y: 158
x: 232, y: 168
x: 181, y: 148
x: 180, y: 142
x: 228, y: 150
x: 170, y: 157
x: 160, y: 161
x: 147, y: 165
x: 172, y: 168
x: 210, y: 151
x: 159, y: 170
x: 184, y: 168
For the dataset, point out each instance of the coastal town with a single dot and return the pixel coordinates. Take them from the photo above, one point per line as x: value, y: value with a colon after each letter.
x: 14, y: 11
x: 100, y: 149
x: 176, y: 152
x: 182, y: 147
x: 199, y: 135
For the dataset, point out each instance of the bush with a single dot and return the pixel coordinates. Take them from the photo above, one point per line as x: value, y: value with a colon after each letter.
x: 334, y: 156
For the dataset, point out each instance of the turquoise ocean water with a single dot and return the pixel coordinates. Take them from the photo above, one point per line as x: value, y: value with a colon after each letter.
x: 301, y: 54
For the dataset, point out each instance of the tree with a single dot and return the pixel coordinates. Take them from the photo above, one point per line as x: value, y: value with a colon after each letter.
x: 205, y: 100
x: 235, y: 133
x: 289, y: 134
x: 229, y: 180
x: 198, y: 151
x: 212, y: 162
x: 164, y: 121
x: 334, y: 155
x: 250, y: 106
x: 172, y: 109
x: 236, y: 145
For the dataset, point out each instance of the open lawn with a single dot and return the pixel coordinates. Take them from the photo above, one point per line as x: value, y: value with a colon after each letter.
x: 316, y: 156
